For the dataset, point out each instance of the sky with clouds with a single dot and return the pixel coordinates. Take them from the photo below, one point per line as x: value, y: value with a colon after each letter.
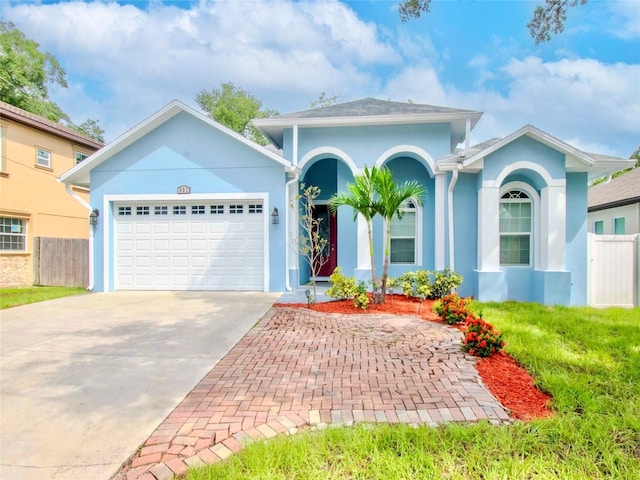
x: 126, y: 59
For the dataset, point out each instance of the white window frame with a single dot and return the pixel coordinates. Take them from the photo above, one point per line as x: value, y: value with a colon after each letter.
x: 22, y: 234
x: 78, y: 153
x: 43, y: 161
x: 534, y: 246
x: 417, y: 244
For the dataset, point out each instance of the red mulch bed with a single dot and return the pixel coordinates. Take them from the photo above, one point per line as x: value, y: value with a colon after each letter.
x: 507, y: 381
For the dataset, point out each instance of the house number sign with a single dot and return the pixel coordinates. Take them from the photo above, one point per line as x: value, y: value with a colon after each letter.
x: 182, y: 189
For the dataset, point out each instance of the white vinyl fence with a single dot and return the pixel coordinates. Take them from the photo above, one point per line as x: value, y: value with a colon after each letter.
x: 614, y: 270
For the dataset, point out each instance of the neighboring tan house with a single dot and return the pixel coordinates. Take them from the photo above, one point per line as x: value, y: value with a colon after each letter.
x: 614, y: 206
x: 187, y: 204
x: 35, y: 151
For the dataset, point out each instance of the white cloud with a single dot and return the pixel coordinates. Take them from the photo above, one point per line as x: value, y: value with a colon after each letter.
x: 627, y: 18
x: 139, y: 59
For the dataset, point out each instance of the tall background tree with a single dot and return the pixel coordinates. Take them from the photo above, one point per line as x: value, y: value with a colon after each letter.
x: 548, y: 18
x: 234, y: 108
x: 27, y: 73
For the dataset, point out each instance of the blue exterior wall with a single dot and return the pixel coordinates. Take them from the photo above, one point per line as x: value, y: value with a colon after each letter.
x: 577, y: 262
x: 186, y: 151
x: 364, y: 145
x: 465, y: 204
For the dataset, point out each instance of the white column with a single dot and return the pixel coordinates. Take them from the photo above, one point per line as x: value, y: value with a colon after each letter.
x: 553, y: 226
x: 489, y: 228
x: 292, y: 223
x: 364, y: 256
x: 439, y: 227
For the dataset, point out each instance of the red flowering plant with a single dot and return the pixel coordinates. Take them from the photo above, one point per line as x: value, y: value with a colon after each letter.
x: 481, y: 338
x: 452, y: 309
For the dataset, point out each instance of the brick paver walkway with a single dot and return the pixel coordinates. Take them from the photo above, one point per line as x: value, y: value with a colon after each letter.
x: 300, y: 368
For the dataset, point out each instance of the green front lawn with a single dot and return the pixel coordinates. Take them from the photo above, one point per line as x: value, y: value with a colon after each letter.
x: 588, y: 359
x: 12, y: 297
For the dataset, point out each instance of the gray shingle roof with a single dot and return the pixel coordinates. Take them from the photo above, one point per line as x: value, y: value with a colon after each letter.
x: 372, y: 107
x: 621, y: 190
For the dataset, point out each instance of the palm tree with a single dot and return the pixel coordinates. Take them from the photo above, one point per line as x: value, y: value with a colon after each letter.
x: 360, y: 196
x: 390, y: 197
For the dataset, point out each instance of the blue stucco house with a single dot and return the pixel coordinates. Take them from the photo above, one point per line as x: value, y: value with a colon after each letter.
x: 180, y: 202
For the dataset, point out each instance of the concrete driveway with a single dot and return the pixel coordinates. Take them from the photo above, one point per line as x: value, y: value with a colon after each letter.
x: 85, y: 380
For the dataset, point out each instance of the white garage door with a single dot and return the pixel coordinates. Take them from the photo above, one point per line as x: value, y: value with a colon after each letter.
x: 198, y: 245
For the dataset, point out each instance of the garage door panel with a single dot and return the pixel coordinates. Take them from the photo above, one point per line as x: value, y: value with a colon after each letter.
x: 197, y: 250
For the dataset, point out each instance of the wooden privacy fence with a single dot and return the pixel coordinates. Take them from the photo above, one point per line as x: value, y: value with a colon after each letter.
x: 61, y: 262
x: 614, y: 270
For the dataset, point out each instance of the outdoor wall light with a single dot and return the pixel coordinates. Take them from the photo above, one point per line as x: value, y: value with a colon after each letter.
x: 93, y: 217
x: 275, y: 217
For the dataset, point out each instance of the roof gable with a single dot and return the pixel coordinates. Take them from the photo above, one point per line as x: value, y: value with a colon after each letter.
x: 80, y: 174
x: 575, y: 160
x: 367, y: 112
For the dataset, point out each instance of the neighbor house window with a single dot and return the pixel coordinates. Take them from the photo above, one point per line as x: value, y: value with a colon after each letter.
x: 80, y: 157
x: 43, y: 158
x: 515, y: 228
x: 598, y: 227
x: 619, y: 226
x: 13, y: 234
x: 404, y: 234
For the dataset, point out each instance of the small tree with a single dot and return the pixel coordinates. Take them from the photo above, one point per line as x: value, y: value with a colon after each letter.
x: 360, y: 196
x: 310, y: 244
x: 390, y: 199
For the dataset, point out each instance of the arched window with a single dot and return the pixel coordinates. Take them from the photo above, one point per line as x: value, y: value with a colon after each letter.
x: 515, y: 228
x: 404, y: 235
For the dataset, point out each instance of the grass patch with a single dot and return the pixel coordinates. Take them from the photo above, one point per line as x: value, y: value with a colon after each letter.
x: 12, y: 297
x: 588, y: 359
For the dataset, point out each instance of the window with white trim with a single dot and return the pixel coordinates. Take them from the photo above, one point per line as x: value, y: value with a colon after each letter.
x: 80, y: 157
x: 235, y: 209
x: 179, y: 209
x: 160, y: 210
x: 124, y: 211
x: 515, y: 228
x: 217, y: 209
x: 13, y: 234
x: 142, y: 210
x: 404, y: 233
x: 43, y: 158
x: 255, y: 208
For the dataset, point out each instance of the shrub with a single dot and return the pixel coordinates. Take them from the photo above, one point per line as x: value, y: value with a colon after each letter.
x: 452, y: 309
x: 444, y: 282
x: 428, y: 284
x: 481, y: 338
x: 347, y: 288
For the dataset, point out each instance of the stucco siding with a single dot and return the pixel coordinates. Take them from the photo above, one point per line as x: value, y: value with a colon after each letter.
x: 525, y: 149
x: 631, y: 214
x: 576, y: 251
x: 465, y: 201
x: 186, y: 151
x: 365, y: 145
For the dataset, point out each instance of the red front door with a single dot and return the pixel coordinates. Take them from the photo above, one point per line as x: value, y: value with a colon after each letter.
x: 329, y: 230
